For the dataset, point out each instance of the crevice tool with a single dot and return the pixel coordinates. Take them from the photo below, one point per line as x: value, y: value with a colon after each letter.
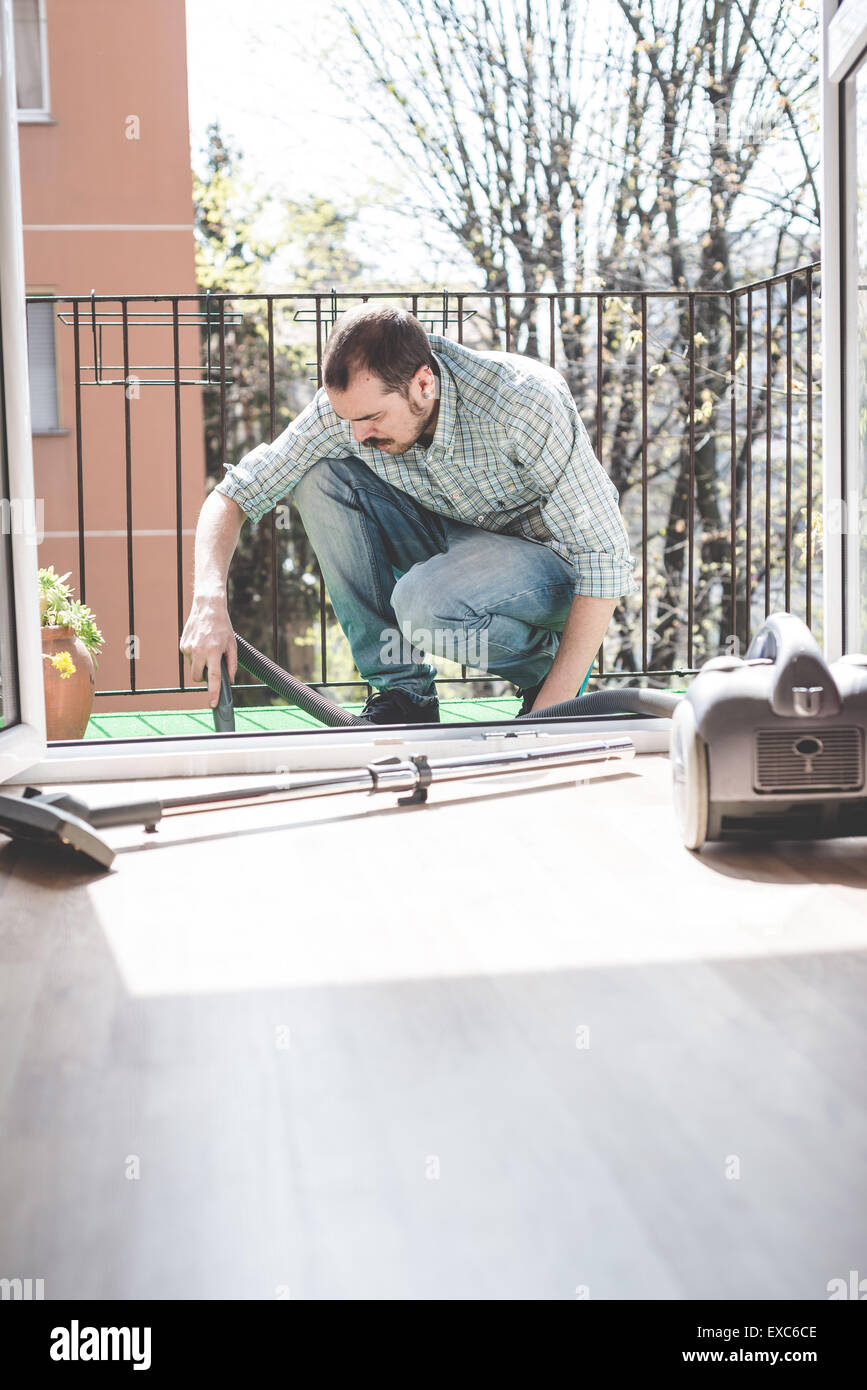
x: 224, y: 710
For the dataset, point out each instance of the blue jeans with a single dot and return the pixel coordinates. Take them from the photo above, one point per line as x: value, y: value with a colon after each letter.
x: 406, y: 582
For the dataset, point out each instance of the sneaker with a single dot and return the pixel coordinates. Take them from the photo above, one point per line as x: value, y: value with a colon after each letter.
x: 394, y: 706
x: 527, y: 697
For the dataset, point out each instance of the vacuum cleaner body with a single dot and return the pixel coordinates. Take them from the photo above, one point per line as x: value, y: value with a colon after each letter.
x: 772, y: 745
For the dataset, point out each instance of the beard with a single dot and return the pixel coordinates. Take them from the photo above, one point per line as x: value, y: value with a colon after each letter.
x: 426, y: 418
x: 422, y: 416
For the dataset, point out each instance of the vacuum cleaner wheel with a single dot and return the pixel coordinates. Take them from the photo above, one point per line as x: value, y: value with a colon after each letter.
x: 689, y: 771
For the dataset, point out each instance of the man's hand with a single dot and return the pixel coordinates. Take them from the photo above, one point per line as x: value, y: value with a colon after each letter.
x: 582, y: 637
x: 206, y: 636
x: 208, y: 630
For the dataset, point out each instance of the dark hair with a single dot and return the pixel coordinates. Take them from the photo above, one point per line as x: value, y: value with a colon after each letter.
x: 379, y: 338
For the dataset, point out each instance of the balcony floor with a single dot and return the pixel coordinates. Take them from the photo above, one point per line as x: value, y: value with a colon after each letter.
x: 509, y: 1044
x: 273, y: 718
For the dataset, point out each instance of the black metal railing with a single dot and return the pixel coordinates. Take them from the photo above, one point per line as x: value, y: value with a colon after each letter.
x: 701, y: 405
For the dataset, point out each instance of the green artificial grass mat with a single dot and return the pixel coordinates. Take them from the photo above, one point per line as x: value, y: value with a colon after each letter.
x: 272, y: 719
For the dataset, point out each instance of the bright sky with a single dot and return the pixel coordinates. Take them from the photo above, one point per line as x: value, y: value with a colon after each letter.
x: 258, y: 68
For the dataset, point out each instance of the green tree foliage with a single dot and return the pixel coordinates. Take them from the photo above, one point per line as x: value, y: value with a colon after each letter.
x: 264, y: 374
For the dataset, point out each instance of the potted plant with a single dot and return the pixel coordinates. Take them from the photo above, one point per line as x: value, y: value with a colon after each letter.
x: 70, y: 644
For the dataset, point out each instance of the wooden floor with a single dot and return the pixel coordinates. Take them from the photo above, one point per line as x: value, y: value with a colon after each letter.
x: 517, y: 1043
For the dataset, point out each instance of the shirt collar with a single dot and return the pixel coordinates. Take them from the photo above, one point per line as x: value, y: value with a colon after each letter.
x: 441, y: 444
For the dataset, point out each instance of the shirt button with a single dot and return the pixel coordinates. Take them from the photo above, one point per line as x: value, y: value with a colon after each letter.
x: 480, y: 518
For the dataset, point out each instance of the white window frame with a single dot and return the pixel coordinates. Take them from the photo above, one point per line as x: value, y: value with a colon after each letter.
x: 23, y: 743
x: 39, y: 115
x: 844, y: 43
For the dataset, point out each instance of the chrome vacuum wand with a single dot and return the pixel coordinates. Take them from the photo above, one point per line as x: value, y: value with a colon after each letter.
x: 56, y: 819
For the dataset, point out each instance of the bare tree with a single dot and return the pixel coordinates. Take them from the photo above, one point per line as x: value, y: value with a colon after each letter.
x: 667, y: 142
x: 753, y: 69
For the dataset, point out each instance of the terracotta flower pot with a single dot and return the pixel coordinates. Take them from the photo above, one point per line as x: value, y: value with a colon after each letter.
x: 68, y: 698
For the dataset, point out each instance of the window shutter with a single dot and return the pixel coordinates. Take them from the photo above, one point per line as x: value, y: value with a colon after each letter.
x: 42, y: 366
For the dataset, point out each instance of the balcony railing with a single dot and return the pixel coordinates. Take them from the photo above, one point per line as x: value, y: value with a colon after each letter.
x: 701, y: 405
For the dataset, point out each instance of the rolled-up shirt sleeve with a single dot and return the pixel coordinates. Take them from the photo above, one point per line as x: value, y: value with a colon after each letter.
x: 270, y: 471
x: 579, y: 503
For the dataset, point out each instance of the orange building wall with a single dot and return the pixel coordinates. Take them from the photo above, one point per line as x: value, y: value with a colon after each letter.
x: 113, y: 214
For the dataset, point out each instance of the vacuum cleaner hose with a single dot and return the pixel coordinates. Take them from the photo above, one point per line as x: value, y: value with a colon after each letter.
x: 280, y: 681
x: 628, y: 700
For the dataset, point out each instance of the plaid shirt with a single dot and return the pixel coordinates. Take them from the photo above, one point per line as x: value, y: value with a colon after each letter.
x: 510, y: 453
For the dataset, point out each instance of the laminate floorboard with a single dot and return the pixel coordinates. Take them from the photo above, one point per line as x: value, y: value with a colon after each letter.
x: 516, y: 1043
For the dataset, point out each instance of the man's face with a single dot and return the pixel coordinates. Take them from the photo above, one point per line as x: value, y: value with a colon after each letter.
x: 386, y: 419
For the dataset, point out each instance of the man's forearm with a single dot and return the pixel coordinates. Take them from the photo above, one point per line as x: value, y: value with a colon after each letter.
x: 581, y: 639
x: 207, y: 633
x: 217, y: 532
